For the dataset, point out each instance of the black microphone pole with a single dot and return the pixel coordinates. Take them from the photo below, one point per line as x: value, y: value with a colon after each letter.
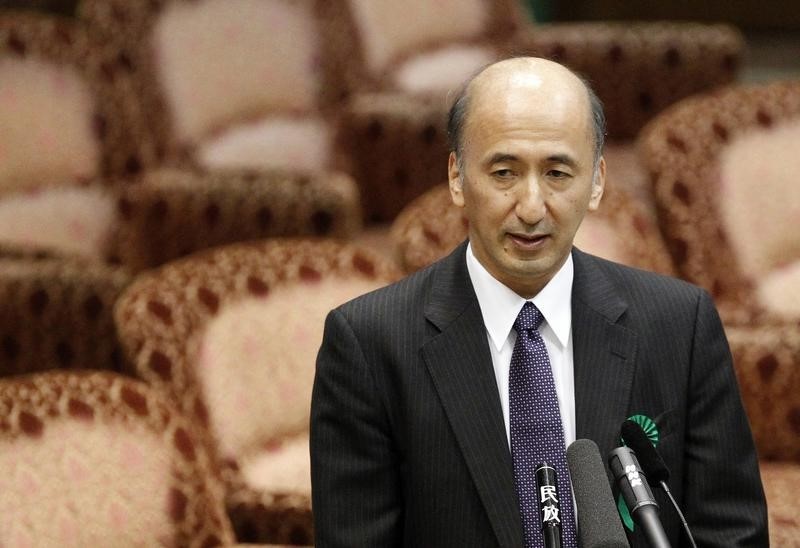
x: 633, y: 484
x: 653, y: 465
x: 549, y: 509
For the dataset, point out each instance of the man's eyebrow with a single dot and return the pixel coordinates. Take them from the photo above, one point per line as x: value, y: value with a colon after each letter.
x: 565, y: 159
x: 499, y: 157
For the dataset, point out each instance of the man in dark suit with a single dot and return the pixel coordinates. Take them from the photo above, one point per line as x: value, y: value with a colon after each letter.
x: 410, y: 423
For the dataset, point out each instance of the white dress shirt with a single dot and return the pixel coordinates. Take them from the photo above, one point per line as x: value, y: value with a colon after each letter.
x: 500, y: 307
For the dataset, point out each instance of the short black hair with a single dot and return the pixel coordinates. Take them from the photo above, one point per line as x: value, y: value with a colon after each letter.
x: 457, y: 117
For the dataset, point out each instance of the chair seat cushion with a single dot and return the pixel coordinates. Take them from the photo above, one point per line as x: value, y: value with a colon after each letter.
x: 441, y: 70
x: 283, y: 466
x: 75, y: 220
x: 287, y: 143
x: 779, y: 291
x: 257, y: 356
x: 390, y: 30
x: 86, y: 462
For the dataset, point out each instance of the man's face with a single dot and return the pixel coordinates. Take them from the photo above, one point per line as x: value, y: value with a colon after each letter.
x: 526, y: 178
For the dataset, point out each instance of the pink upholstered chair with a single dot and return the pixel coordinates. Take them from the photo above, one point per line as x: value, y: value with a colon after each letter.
x: 237, y: 94
x: 620, y: 230
x: 231, y: 334
x: 98, y: 459
x: 723, y: 168
x: 408, y: 58
x: 234, y: 83
x: 57, y: 313
x: 68, y: 130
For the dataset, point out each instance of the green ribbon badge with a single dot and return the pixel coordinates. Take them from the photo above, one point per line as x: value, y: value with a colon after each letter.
x: 651, y: 429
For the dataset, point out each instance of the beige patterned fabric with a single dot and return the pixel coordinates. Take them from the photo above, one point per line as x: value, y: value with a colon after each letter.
x: 436, y: 72
x: 97, y: 459
x: 431, y: 227
x: 302, y: 144
x: 57, y: 313
x: 172, y: 213
x: 779, y: 291
x: 223, y: 60
x: 231, y: 334
x: 390, y: 30
x: 56, y: 73
x: 33, y: 94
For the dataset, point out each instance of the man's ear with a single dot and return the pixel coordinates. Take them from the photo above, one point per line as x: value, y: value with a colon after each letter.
x: 455, y: 178
x: 598, y: 185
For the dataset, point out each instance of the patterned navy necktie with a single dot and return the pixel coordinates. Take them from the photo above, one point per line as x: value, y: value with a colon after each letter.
x: 537, y: 434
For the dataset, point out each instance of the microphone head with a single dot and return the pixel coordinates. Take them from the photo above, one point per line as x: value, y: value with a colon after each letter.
x: 599, y: 525
x: 651, y: 462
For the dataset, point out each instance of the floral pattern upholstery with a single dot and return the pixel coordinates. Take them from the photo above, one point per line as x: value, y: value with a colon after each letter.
x: 99, y: 459
x: 231, y: 334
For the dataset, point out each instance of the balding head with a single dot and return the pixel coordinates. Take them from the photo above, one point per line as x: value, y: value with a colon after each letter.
x: 540, y: 81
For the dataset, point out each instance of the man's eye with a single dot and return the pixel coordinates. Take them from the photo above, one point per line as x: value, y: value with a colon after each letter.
x: 556, y: 174
x: 503, y: 173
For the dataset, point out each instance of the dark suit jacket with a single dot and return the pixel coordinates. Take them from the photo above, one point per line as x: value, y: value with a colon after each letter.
x: 408, y: 445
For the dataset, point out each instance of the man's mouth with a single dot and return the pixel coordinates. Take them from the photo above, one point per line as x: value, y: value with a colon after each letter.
x: 529, y: 242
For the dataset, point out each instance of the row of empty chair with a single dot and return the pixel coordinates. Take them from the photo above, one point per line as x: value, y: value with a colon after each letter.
x: 144, y: 139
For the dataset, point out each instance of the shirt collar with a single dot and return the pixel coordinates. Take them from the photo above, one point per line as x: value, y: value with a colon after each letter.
x: 500, y: 305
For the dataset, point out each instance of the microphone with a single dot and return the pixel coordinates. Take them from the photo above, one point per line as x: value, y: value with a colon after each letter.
x: 599, y: 525
x: 653, y: 465
x: 638, y: 497
x: 549, y: 509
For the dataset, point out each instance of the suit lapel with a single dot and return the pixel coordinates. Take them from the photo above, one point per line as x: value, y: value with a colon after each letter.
x: 460, y: 365
x: 604, y: 355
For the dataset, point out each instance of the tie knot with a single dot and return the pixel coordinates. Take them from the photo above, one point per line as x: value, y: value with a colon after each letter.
x: 528, y: 318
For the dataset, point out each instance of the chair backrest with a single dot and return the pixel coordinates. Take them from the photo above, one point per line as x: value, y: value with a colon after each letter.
x: 98, y: 459
x: 57, y: 313
x: 172, y: 213
x: 424, y: 46
x: 232, y: 333
x: 64, y: 107
x: 431, y: 227
x: 721, y: 233
x: 209, y: 72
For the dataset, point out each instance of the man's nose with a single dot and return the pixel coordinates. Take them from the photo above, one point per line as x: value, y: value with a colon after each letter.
x: 530, y: 207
